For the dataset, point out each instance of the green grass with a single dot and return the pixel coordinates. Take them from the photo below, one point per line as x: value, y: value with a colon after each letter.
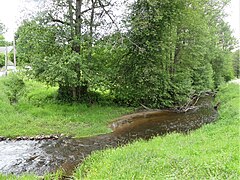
x: 37, y: 113
x: 211, y: 152
x: 57, y: 176
x: 23, y: 177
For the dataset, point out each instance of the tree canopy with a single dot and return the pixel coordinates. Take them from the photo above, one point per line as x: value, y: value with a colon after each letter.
x: 59, y: 43
x: 165, y: 52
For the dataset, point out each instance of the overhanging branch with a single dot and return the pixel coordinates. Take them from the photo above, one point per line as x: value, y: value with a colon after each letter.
x: 58, y: 20
x: 118, y: 29
x: 89, y: 9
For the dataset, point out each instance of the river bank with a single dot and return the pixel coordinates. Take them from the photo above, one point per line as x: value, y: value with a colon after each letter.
x: 211, y: 152
x: 37, y: 113
x: 145, y: 150
x: 47, y: 154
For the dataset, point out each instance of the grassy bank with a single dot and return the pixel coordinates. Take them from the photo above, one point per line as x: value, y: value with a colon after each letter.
x: 211, y: 152
x: 38, y: 113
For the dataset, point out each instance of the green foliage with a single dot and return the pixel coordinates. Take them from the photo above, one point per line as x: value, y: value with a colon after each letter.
x: 211, y: 152
x: 2, y: 60
x: 41, y: 113
x: 236, y: 63
x: 181, y: 85
x: 3, y: 42
x: 35, y: 42
x: 174, y: 50
x: 170, y: 50
x: 53, y: 62
x: 203, y: 77
x: 14, y: 87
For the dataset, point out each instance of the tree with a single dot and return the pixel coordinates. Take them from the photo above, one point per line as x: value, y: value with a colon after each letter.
x: 2, y: 39
x: 169, y: 50
x: 170, y: 57
x: 236, y: 63
x: 61, y: 42
x: 222, y: 55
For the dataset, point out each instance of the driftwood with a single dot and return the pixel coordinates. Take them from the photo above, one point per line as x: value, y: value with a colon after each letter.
x: 191, y: 104
x: 145, y: 107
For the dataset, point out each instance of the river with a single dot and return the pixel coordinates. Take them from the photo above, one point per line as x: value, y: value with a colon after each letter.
x: 48, y: 155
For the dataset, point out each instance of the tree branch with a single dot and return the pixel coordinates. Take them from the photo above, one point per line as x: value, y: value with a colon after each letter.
x: 103, y: 7
x: 89, y: 9
x: 58, y: 20
x: 118, y: 29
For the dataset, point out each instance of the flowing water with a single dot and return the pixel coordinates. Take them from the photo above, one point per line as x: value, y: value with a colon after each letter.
x: 48, y: 155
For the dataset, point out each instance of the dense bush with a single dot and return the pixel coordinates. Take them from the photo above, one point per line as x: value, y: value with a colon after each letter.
x: 14, y: 87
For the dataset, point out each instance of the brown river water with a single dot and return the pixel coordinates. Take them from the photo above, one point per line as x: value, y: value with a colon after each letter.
x: 48, y: 155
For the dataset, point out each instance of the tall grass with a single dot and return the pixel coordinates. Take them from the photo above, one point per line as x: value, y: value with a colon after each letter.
x: 39, y: 113
x: 211, y: 152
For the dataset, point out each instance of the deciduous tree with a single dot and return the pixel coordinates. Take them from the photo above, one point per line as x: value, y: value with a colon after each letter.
x: 61, y: 41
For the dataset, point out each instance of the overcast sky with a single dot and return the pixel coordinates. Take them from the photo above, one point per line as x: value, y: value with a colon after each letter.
x: 11, y: 12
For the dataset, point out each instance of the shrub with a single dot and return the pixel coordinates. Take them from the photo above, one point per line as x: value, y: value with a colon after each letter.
x: 14, y: 87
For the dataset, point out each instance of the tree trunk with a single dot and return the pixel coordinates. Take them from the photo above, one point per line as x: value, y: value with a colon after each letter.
x: 70, y: 8
x: 91, y: 25
x: 78, y: 91
x: 78, y: 26
x: 65, y: 93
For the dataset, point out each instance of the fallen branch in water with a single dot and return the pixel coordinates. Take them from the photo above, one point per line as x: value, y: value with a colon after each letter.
x: 191, y: 104
x: 187, y: 106
x: 145, y: 107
